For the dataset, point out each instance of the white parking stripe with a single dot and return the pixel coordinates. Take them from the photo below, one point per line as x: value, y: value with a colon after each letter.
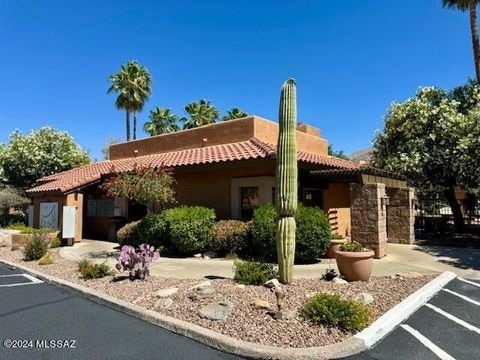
x: 454, y: 318
x: 434, y: 348
x: 469, y: 282
x: 466, y: 298
x: 33, y: 280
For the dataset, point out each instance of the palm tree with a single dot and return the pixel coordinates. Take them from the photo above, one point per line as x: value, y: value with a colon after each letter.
x: 234, y: 113
x: 162, y: 121
x: 471, y: 6
x: 201, y: 113
x: 133, y: 86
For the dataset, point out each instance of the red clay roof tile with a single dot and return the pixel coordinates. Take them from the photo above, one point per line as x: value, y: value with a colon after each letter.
x: 251, y: 149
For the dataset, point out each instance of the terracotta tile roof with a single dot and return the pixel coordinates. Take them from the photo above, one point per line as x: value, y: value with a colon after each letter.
x: 250, y: 149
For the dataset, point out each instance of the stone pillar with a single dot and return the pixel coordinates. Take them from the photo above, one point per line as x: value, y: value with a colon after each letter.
x: 401, y: 216
x: 369, y: 217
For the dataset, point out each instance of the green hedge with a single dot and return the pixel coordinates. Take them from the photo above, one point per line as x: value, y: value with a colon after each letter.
x: 128, y: 234
x: 153, y: 230
x: 189, y: 228
x: 264, y: 229
x: 313, y: 233
x: 230, y: 237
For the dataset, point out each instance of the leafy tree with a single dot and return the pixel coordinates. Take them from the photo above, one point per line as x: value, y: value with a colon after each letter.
x: 429, y: 139
x: 234, y: 113
x: 133, y: 86
x: 11, y: 198
x: 471, y: 6
x: 201, y: 113
x: 162, y: 121
x: 27, y: 158
x: 339, y: 154
x: 152, y: 187
x: 106, y: 148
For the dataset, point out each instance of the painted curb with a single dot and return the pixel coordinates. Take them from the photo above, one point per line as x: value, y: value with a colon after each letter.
x: 350, y: 346
x: 402, y: 311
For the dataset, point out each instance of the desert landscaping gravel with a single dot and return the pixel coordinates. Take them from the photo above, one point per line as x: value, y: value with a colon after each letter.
x: 245, y: 321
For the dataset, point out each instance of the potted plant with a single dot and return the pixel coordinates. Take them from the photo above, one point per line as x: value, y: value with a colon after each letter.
x: 355, y: 261
x: 335, y: 243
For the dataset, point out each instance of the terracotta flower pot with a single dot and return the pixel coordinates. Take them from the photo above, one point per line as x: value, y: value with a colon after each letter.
x: 355, y: 266
x: 334, y: 246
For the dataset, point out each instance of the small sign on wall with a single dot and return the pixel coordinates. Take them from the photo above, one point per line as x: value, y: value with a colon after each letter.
x: 49, y: 215
x: 69, y: 227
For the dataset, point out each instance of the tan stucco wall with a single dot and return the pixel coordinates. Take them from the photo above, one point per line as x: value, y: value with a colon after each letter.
x: 61, y: 200
x: 336, y: 202
x: 216, y: 134
x: 211, y: 187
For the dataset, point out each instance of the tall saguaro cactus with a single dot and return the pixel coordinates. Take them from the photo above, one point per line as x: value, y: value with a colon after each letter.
x: 286, y: 181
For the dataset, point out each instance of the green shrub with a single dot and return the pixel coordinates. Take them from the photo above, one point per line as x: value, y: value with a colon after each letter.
x: 89, y: 270
x: 330, y: 309
x: 28, y: 229
x: 337, y: 236
x: 7, y: 219
x: 35, y: 247
x: 55, y: 242
x: 353, y: 246
x: 229, y: 236
x: 189, y: 227
x: 312, y: 235
x: 128, y: 234
x: 153, y: 230
x: 254, y: 273
x: 46, y: 260
x: 264, y: 229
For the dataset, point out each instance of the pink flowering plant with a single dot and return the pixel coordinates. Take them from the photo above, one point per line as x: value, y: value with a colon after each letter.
x: 136, y: 261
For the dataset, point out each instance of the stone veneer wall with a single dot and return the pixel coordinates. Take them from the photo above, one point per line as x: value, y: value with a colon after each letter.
x: 401, y: 216
x: 369, y: 217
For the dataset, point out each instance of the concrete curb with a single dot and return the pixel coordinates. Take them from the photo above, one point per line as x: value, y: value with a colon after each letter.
x: 353, y: 345
x: 400, y: 312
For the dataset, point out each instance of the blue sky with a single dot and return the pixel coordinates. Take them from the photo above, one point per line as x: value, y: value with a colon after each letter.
x: 350, y: 58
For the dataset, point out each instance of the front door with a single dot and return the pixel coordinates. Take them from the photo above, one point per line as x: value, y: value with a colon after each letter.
x: 313, y: 197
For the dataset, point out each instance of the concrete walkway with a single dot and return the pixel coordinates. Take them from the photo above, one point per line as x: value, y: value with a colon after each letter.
x: 399, y: 259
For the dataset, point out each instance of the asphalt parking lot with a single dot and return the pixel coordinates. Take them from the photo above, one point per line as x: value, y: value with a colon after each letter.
x: 42, y: 321
x: 33, y: 314
x: 447, y: 327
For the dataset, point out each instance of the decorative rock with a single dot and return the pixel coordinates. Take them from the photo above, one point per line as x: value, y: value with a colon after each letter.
x: 240, y: 286
x: 338, y: 280
x: 272, y: 283
x: 218, y: 310
x: 262, y: 304
x: 164, y: 293
x: 202, y: 293
x: 137, y: 300
x: 210, y: 255
x: 365, y: 298
x: 5, y: 238
x: 411, y: 275
x: 197, y: 255
x: 163, y: 303
x: 202, y: 284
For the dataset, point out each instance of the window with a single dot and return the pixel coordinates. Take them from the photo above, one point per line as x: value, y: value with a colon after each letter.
x: 249, y: 201
x: 100, y: 208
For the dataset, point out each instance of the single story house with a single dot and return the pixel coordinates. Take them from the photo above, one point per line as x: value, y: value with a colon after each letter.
x: 230, y: 167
